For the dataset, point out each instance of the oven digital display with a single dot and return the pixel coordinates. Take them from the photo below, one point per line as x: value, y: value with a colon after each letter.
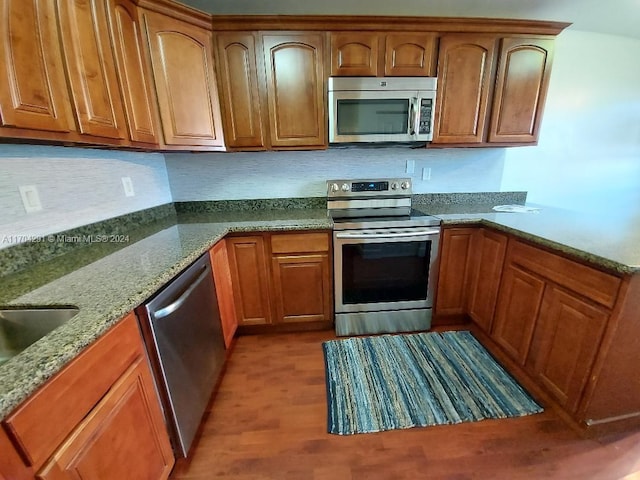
x: 369, y: 186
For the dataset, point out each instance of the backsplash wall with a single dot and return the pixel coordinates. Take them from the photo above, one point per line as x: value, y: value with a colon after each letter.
x: 236, y: 176
x: 76, y: 186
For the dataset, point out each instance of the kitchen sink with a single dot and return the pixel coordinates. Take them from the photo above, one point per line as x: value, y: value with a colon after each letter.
x: 20, y: 327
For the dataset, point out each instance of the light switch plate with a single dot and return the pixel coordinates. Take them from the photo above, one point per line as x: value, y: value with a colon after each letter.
x: 411, y: 166
x: 30, y: 198
x: 128, y: 187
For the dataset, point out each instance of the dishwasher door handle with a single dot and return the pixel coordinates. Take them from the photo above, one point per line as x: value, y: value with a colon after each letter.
x: 172, y: 307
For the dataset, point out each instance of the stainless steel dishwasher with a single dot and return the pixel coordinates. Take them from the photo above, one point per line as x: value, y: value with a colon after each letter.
x: 181, y: 326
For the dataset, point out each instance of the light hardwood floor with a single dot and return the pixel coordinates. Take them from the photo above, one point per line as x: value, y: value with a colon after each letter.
x: 268, y: 421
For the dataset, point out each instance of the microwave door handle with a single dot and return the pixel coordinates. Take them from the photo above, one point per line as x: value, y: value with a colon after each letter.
x: 414, y: 117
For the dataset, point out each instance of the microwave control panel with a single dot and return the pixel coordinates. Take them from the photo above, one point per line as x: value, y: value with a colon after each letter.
x: 426, y: 107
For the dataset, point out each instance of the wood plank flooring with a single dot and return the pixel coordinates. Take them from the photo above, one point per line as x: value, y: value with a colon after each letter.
x: 268, y: 421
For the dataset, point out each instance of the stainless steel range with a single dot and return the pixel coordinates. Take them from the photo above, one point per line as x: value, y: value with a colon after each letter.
x: 385, y: 257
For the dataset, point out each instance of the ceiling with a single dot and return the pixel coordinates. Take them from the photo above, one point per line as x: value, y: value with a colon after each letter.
x: 617, y: 17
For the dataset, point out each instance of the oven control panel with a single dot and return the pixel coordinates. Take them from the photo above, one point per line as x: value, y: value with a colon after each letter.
x: 369, y: 187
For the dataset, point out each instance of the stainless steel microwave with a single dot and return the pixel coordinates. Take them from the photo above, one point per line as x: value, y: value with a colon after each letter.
x: 381, y: 109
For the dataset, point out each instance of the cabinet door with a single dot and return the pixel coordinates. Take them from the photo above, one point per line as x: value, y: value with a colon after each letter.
x: 453, y: 280
x: 354, y: 54
x: 182, y: 63
x: 524, y: 69
x: 517, y: 311
x: 488, y: 252
x: 90, y: 68
x: 410, y: 54
x: 133, y: 76
x: 464, y: 81
x: 249, y: 277
x: 295, y: 89
x: 33, y: 88
x: 565, y: 344
x: 239, y: 89
x: 302, y: 288
x: 224, y: 290
x: 123, y: 437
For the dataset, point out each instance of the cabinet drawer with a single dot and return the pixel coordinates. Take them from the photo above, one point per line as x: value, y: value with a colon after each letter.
x: 597, y: 285
x: 299, y: 242
x: 45, y: 419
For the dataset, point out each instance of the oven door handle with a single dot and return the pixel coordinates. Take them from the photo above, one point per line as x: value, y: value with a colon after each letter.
x: 418, y: 233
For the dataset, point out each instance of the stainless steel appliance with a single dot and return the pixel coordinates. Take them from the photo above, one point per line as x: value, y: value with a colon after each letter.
x: 385, y: 257
x: 387, y: 109
x: 182, y: 330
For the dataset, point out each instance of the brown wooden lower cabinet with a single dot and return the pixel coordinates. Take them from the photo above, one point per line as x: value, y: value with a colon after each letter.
x: 121, y: 438
x: 224, y: 290
x: 565, y: 344
x: 517, y: 311
x: 100, y: 417
x: 301, y: 276
x: 454, y: 274
x: 567, y: 326
x: 249, y: 279
x: 293, y: 288
x: 487, y: 259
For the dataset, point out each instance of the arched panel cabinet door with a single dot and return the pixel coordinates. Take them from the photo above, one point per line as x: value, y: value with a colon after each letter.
x: 354, y: 54
x: 133, y: 76
x: 295, y: 89
x: 182, y: 63
x: 239, y: 89
x: 33, y: 93
x: 524, y: 69
x: 410, y: 54
x: 90, y: 68
x: 464, y: 81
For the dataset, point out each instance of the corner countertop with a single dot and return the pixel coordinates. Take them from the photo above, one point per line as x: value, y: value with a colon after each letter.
x: 107, y: 283
x: 106, y: 288
x: 610, y: 241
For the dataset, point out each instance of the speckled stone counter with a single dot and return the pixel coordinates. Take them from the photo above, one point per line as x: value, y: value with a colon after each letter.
x: 609, y: 241
x: 108, y: 281
x: 106, y: 285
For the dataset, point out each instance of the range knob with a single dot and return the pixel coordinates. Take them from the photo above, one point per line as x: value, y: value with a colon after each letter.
x: 405, y: 185
x: 334, y: 187
x: 345, y: 187
x: 394, y: 186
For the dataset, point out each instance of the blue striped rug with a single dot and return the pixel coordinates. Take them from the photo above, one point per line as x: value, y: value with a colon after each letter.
x: 402, y: 381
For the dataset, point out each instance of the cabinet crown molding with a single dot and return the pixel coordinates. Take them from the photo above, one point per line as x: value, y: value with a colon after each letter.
x: 386, y: 23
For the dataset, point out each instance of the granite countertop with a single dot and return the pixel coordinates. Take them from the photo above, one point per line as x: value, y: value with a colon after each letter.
x: 106, y: 287
x: 107, y: 282
x: 610, y: 241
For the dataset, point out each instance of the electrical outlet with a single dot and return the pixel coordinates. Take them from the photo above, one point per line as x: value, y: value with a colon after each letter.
x: 30, y: 198
x: 426, y: 173
x: 128, y: 187
x: 411, y: 166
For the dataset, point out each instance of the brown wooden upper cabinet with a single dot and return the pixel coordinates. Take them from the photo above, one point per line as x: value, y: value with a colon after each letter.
x: 465, y: 64
x: 239, y: 89
x: 372, y: 54
x: 90, y: 68
x: 295, y: 84
x: 182, y: 63
x: 33, y: 94
x: 491, y: 90
x: 134, y: 78
x: 524, y: 69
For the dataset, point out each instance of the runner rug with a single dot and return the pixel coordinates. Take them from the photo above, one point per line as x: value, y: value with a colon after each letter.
x: 401, y: 381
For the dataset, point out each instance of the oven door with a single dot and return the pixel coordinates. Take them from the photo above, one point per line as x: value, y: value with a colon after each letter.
x: 385, y: 269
